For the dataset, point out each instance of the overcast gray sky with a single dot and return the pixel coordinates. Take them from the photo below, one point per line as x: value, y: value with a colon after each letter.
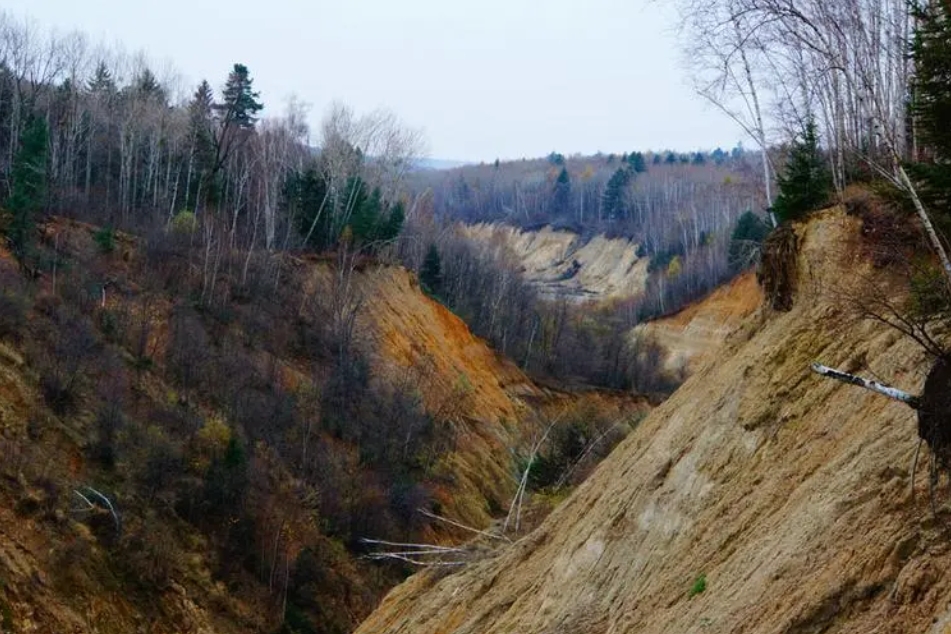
x: 484, y: 79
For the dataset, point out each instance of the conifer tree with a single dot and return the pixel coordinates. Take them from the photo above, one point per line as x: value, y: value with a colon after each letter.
x: 806, y: 182
x: 28, y: 189
x: 613, y: 201
x: 430, y: 275
x: 240, y: 105
x: 561, y: 193
x: 931, y: 107
x: 236, y: 117
x: 745, y: 241
x: 201, y: 131
x: 637, y: 162
x: 307, y: 199
x: 394, y: 223
x: 102, y: 82
x: 364, y: 221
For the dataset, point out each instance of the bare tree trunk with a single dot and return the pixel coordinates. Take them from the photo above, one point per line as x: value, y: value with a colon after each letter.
x: 894, y: 393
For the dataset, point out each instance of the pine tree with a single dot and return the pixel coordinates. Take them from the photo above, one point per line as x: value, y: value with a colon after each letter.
x: 613, y: 201
x: 561, y: 193
x: 148, y: 87
x: 637, y: 162
x: 102, y: 82
x: 306, y: 198
x: 430, y: 275
x: 28, y: 189
x: 748, y: 235
x: 394, y: 223
x: 931, y: 108
x: 932, y: 88
x: 806, y: 182
x: 203, y: 148
x: 365, y: 219
x: 240, y: 105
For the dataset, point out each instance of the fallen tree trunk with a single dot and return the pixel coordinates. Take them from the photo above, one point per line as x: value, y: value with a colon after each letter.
x: 894, y: 393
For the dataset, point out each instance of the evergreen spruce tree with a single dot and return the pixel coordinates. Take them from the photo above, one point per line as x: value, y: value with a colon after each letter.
x: 637, y: 162
x: 613, y: 200
x: 201, y: 131
x: 430, y: 275
x: 394, y: 223
x: 561, y: 194
x: 748, y: 235
x: 240, y: 105
x: 28, y: 188
x: 806, y: 182
x: 102, y: 82
x: 931, y: 108
x: 365, y: 219
x: 306, y: 197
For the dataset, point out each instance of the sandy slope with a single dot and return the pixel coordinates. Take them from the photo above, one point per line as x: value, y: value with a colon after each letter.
x: 562, y: 264
x: 790, y: 493
x: 694, y: 335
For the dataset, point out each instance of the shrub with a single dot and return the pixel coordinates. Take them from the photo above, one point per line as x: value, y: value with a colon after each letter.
x: 184, y: 223
x: 105, y: 239
x: 699, y: 586
x: 61, y: 374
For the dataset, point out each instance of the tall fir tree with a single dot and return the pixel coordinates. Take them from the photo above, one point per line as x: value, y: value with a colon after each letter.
x: 306, y: 197
x: 102, y: 82
x: 637, y: 162
x: 430, y: 274
x: 240, y: 104
x: 931, y: 108
x: 806, y: 182
x: 28, y: 188
x: 202, y: 134
x: 393, y: 225
x: 613, y: 203
x: 561, y: 193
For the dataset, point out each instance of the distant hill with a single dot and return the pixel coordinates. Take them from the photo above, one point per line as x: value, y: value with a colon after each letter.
x: 439, y: 165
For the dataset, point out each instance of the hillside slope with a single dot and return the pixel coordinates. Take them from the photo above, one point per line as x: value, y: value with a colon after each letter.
x: 788, y: 493
x: 68, y: 567
x: 692, y: 336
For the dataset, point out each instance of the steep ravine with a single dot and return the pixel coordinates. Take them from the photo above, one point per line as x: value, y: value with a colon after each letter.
x: 789, y: 493
x: 57, y: 574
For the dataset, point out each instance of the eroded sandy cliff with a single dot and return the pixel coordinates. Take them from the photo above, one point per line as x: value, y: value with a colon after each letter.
x: 788, y: 493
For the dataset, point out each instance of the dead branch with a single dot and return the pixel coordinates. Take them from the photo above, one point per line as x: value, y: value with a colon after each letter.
x: 109, y: 506
x: 414, y: 553
x: 415, y: 562
x: 516, y: 505
x: 383, y: 542
x: 463, y: 526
